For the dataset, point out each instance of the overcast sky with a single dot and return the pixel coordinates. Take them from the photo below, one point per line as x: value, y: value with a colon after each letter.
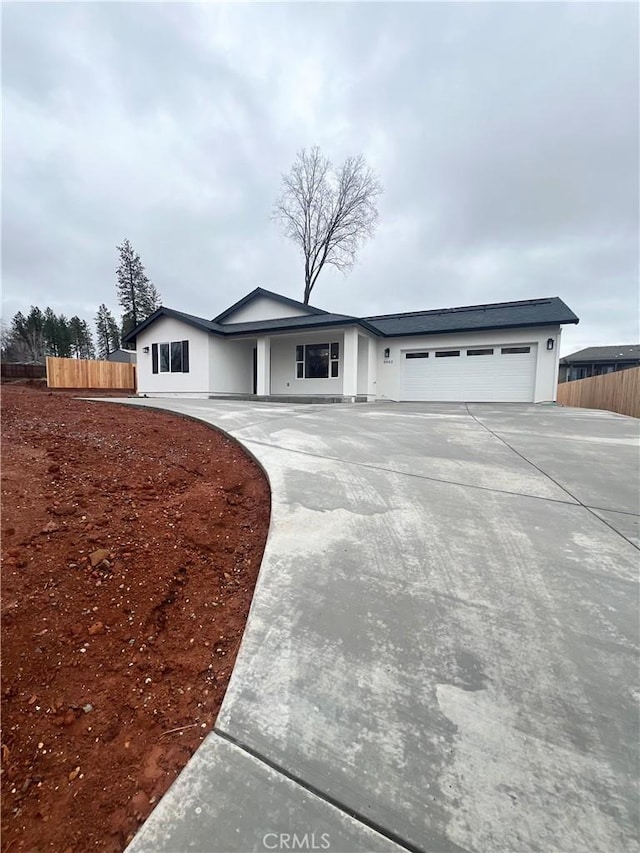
x: 505, y: 135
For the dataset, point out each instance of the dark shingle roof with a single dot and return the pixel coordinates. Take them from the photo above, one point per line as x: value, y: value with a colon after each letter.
x: 499, y: 315
x: 624, y: 352
x: 190, y: 319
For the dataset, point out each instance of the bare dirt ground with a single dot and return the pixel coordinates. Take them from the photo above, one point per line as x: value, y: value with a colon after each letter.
x: 131, y: 543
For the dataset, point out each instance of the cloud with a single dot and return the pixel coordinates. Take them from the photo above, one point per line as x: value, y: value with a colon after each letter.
x: 506, y: 137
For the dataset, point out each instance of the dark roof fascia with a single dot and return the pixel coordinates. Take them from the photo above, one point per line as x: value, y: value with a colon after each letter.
x: 197, y: 322
x: 260, y: 291
x: 470, y: 330
x: 370, y: 327
x: 344, y: 321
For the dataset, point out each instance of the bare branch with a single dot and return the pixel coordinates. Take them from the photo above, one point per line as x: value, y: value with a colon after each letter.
x: 329, y: 214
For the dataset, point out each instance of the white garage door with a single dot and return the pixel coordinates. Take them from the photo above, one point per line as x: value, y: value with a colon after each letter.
x: 491, y: 374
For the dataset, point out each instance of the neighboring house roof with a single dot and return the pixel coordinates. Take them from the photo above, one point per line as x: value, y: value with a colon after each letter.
x: 623, y: 352
x: 499, y: 315
x: 260, y: 291
x: 122, y: 355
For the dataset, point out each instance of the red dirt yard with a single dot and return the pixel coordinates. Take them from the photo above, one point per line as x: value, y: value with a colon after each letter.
x: 131, y: 543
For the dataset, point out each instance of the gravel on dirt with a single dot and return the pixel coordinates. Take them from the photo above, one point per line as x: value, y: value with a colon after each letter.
x: 131, y: 543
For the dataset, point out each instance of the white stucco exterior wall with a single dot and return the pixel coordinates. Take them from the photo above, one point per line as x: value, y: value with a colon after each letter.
x: 264, y: 308
x: 230, y: 365
x: 192, y: 384
x: 389, y: 375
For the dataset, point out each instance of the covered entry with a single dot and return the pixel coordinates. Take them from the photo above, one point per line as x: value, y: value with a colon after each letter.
x: 495, y: 374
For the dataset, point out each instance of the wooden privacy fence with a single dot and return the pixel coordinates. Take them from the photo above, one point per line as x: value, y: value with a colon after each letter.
x: 82, y: 373
x: 616, y: 392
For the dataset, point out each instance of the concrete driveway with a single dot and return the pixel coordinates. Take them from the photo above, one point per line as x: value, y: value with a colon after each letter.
x: 442, y: 652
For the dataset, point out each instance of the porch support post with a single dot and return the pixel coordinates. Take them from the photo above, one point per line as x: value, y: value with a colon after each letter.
x: 372, y: 367
x: 350, y: 378
x: 263, y: 353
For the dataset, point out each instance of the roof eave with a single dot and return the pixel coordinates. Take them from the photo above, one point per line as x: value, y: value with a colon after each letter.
x: 131, y: 336
x: 347, y: 321
x: 455, y: 329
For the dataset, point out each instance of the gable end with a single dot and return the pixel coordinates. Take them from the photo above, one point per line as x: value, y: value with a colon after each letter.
x: 263, y: 304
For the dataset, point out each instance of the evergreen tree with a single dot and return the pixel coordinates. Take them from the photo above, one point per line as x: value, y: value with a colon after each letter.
x: 138, y: 297
x: 64, y: 337
x: 39, y: 334
x: 57, y: 334
x: 76, y: 334
x: 81, y: 338
x: 87, y: 348
x: 51, y: 332
x: 108, y: 334
x: 29, y: 331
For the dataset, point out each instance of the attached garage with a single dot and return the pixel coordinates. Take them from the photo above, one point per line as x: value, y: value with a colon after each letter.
x: 499, y: 373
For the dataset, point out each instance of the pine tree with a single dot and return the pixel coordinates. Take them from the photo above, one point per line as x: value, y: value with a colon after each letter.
x: 81, y: 338
x: 75, y: 327
x: 138, y: 297
x: 87, y: 349
x: 57, y: 334
x: 39, y: 334
x: 64, y: 337
x: 30, y: 332
x: 107, y: 333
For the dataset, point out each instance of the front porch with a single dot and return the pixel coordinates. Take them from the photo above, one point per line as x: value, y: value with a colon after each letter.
x: 334, y: 365
x: 292, y: 398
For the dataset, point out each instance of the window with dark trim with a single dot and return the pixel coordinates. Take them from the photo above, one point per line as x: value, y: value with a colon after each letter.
x: 417, y: 355
x: 164, y: 358
x: 317, y: 361
x: 447, y: 353
x: 176, y: 356
x: 170, y: 357
x: 479, y: 352
x: 514, y: 350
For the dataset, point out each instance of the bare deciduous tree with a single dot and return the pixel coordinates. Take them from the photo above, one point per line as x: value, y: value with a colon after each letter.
x: 328, y: 213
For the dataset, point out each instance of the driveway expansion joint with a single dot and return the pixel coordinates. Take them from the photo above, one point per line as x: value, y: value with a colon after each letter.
x: 322, y: 795
x: 554, y: 481
x: 370, y: 466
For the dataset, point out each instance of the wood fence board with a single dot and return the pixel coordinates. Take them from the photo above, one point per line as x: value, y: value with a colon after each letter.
x: 85, y: 373
x: 615, y: 392
x: 18, y: 370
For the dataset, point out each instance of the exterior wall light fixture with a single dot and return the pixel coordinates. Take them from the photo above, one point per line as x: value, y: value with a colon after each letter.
x: 387, y: 352
x: 145, y: 349
x: 549, y: 343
